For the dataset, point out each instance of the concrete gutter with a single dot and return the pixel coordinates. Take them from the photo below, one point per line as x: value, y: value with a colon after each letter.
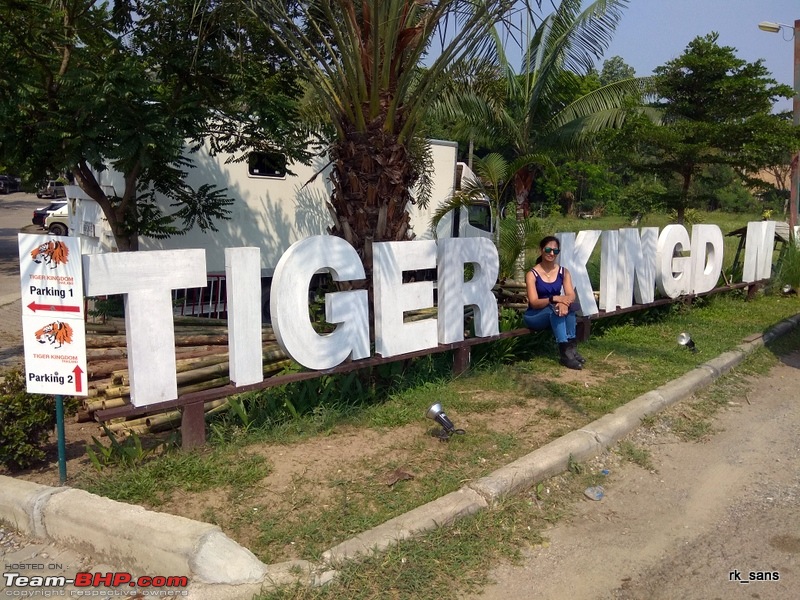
x: 218, y: 568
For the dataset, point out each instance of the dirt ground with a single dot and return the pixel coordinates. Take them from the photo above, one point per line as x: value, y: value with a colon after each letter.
x: 710, y: 520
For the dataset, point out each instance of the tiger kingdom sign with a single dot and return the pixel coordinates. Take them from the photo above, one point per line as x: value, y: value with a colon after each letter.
x: 53, y: 315
x: 634, y: 263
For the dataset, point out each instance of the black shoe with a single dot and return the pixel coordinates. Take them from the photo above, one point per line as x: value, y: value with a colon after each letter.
x: 567, y: 359
x: 573, y: 347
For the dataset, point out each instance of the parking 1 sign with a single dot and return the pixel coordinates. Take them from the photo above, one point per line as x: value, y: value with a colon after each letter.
x: 53, y: 326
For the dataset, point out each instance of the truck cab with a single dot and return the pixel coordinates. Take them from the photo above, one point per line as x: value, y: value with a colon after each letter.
x: 82, y: 217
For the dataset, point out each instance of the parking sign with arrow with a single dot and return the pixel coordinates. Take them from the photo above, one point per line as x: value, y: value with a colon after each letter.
x: 53, y: 324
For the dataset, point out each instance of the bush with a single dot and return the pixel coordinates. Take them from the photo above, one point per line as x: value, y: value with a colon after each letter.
x: 26, y: 421
x: 790, y: 266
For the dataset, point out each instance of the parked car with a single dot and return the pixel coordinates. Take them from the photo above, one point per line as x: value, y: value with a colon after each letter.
x: 9, y: 184
x: 40, y: 214
x: 57, y: 222
x: 52, y: 189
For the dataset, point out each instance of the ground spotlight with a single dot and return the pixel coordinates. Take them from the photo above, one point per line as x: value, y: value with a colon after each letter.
x: 684, y: 339
x: 788, y: 290
x: 435, y: 413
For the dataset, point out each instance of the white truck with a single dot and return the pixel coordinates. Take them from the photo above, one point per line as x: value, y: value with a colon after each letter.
x: 82, y: 217
x: 275, y: 205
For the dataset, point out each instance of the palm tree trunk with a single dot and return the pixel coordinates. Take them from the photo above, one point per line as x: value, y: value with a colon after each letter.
x: 523, y: 181
x: 372, y: 175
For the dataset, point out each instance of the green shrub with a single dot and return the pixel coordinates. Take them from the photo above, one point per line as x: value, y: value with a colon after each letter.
x: 26, y: 421
x: 790, y: 266
x: 107, y: 306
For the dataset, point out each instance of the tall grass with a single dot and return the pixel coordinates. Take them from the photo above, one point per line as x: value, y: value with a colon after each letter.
x: 789, y: 273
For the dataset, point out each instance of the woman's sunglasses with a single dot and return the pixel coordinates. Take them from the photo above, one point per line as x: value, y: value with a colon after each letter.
x: 552, y: 251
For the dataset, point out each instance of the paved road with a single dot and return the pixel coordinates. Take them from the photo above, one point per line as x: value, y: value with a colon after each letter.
x: 16, y: 211
x: 708, y: 522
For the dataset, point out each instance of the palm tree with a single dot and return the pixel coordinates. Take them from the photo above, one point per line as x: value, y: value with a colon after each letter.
x: 539, y: 115
x: 361, y: 59
x: 495, y: 177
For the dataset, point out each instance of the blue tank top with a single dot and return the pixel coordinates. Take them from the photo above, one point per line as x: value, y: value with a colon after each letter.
x: 548, y: 290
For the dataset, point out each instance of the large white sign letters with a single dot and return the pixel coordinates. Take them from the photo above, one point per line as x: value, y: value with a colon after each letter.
x: 633, y: 264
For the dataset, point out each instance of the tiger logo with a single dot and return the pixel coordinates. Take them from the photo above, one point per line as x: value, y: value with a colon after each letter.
x: 56, y: 334
x: 51, y: 254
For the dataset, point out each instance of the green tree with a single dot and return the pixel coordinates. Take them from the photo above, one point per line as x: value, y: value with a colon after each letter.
x: 616, y: 69
x: 582, y: 186
x: 545, y: 108
x: 715, y: 110
x: 87, y: 86
x: 555, y: 103
x: 495, y: 181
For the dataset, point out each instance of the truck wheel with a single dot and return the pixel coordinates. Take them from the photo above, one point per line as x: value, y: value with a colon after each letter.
x: 58, y: 229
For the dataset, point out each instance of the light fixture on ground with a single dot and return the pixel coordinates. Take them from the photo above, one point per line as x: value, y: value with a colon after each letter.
x: 435, y: 413
x: 684, y: 339
x: 788, y: 290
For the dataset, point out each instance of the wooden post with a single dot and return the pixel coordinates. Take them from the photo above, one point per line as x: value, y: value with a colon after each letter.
x: 583, y: 330
x: 193, y: 426
x: 461, y: 360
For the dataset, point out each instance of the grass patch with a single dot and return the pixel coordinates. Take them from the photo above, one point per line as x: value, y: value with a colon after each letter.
x: 632, y: 453
x: 692, y: 428
x: 692, y: 420
x: 452, y: 561
x: 154, y: 483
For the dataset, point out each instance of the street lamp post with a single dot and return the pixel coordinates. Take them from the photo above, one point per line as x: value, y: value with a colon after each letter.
x: 795, y: 172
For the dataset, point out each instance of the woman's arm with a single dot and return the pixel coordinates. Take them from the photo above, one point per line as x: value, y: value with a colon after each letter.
x: 533, y: 297
x: 568, y: 297
x: 569, y: 289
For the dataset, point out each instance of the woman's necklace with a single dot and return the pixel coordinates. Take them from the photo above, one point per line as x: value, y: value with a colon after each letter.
x: 549, y: 276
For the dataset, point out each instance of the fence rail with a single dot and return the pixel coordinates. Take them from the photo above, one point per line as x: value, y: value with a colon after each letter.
x: 210, y: 301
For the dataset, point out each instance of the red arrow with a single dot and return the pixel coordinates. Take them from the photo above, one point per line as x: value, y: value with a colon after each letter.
x: 34, y: 307
x: 78, y: 379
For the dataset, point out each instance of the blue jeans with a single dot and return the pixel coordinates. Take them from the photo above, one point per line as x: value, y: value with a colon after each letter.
x: 563, y: 327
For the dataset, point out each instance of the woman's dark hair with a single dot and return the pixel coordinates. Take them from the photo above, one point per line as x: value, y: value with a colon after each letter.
x: 546, y: 240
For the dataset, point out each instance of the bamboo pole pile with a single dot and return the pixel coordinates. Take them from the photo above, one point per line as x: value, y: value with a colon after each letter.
x: 201, y: 350
x: 511, y: 294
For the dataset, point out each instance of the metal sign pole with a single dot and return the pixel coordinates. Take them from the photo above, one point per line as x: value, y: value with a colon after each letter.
x: 62, y: 446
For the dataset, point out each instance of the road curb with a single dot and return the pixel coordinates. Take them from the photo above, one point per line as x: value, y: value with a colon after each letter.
x: 218, y: 568
x: 127, y: 535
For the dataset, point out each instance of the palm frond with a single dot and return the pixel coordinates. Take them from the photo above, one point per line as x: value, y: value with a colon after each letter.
x: 518, y: 239
x: 362, y: 57
x: 457, y: 201
x: 602, y: 100
x: 571, y: 39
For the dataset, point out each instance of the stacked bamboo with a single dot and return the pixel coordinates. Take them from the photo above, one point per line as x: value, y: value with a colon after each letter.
x: 201, y: 349
x: 511, y: 294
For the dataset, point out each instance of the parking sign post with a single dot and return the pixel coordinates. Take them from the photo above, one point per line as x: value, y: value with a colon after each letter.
x: 53, y: 327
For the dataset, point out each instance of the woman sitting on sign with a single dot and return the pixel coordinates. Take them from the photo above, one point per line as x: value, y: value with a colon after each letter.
x: 550, y: 294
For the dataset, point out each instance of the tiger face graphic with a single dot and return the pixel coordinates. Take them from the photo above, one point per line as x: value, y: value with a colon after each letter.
x: 51, y: 254
x: 56, y: 334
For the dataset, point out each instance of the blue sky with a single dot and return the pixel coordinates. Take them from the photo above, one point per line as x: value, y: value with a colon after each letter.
x: 653, y: 32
